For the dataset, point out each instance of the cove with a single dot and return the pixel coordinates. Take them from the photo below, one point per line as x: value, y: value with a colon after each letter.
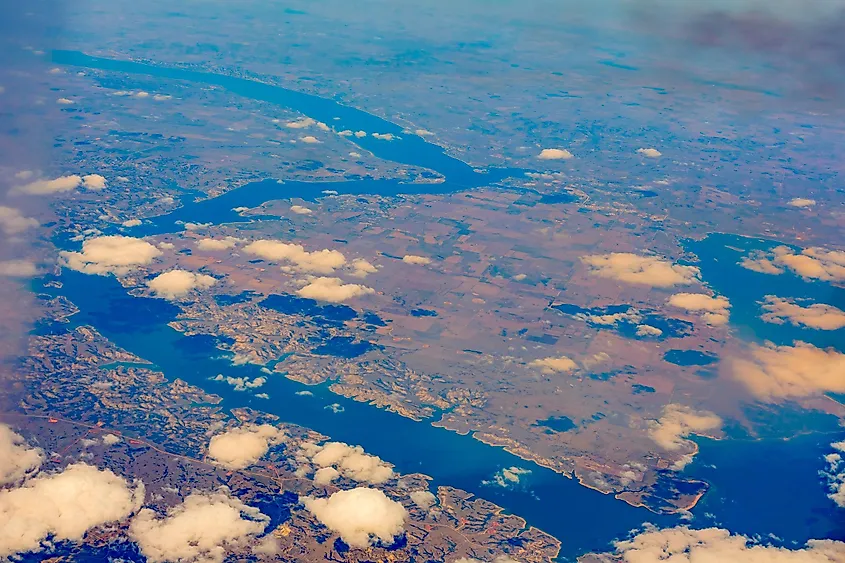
x: 583, y: 519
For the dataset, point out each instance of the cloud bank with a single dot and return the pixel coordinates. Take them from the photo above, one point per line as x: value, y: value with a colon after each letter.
x: 641, y: 270
x: 813, y: 263
x: 13, y: 222
x: 17, y: 459
x: 360, y: 516
x: 677, y: 422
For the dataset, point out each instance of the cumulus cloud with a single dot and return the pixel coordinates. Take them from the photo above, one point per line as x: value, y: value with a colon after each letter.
x: 131, y: 223
x: 243, y: 446
x: 560, y: 364
x: 650, y: 153
x: 112, y: 254
x: 642, y: 270
x: 361, y: 268
x: 819, y: 315
x: 509, y: 476
x: 94, y: 182
x: 423, y: 499
x: 18, y: 269
x: 204, y: 528
x: 310, y: 139
x: 300, y: 210
x: 17, y: 459
x: 759, y: 262
x: 178, y: 283
x: 423, y: 132
x: 779, y: 372
x: 677, y: 422
x: 801, y: 202
x: 301, y: 123
x: 384, y: 136
x: 333, y: 290
x: 325, y: 475
x: 64, y: 101
x: 414, y: 259
x: 214, y: 245
x: 241, y: 383
x: 46, y: 187
x: 554, y: 154
x: 835, y: 474
x: 110, y: 439
x: 813, y: 263
x: 13, y: 222
x: 63, y: 506
x: 683, y: 545
x: 317, y: 262
x: 714, y: 310
x: 648, y: 330
x: 349, y: 461
x: 360, y: 516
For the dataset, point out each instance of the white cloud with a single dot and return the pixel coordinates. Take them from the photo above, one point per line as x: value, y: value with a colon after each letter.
x: 241, y: 383
x: 17, y: 459
x: 509, y: 476
x: 110, y: 254
x: 643, y: 270
x: 423, y: 499
x: 110, y: 439
x: 325, y: 475
x: 714, y: 310
x: 300, y: 210
x: 201, y: 529
x: 131, y: 223
x: 819, y: 315
x: 162, y: 97
x: 64, y: 101
x: 360, y: 134
x: 94, y: 182
x: 178, y: 283
x: 554, y: 154
x: 243, y: 446
x: 560, y: 364
x: 350, y: 461
x: 414, y: 259
x: 359, y: 515
x: 384, y: 136
x: 715, y: 545
x: 813, y: 263
x: 310, y: 139
x: 677, y: 422
x: 423, y: 132
x: 361, y: 268
x: 333, y: 290
x: 835, y: 474
x: 778, y: 372
x: 650, y: 153
x: 801, y: 202
x: 45, y: 187
x: 648, y: 330
x: 213, y: 245
x: 18, y: 269
x: 63, y: 506
x: 301, y: 123
x: 760, y: 263
x: 12, y: 221
x: 318, y: 262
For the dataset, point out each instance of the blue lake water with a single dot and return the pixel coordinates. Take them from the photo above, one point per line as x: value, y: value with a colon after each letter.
x: 778, y: 477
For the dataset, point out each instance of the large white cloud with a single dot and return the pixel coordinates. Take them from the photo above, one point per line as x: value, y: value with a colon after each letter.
x: 643, y: 270
x: 818, y: 315
x: 63, y: 506
x: 241, y: 447
x: 359, y: 515
x: 714, y: 310
x: 813, y: 263
x: 774, y: 372
x: 677, y: 422
x: 204, y: 528
x: 113, y: 254
x: 12, y: 221
x: 715, y: 545
x: 349, y: 461
x: 46, y: 187
x: 318, y: 262
x: 17, y: 459
x: 333, y: 290
x: 178, y: 283
x: 559, y: 364
x: 835, y: 474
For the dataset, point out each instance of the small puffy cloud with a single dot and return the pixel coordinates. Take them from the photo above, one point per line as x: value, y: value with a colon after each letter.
x: 423, y: 499
x: 110, y: 439
x: 716, y: 545
x: 560, y: 364
x: 310, y: 139
x: 94, y: 182
x: 509, y: 476
x: 648, y: 330
x: 63, y: 506
x: 360, y: 134
x: 241, y: 383
x: 318, y: 262
x: 384, y: 136
x: 46, y: 187
x: 361, y: 268
x: 243, y: 446
x: 333, y: 290
x: 414, y: 259
x: 554, y: 154
x: 142, y: 94
x: 819, y: 315
x: 423, y: 132
x: 801, y: 202
x: 201, y: 529
x: 351, y: 462
x: 780, y: 372
x: 18, y: 269
x: 359, y: 515
x: 835, y: 474
x: 301, y: 123
x: 178, y: 283
x: 112, y: 254
x: 64, y: 101
x: 811, y: 263
x: 650, y: 153
x: 714, y: 310
x: 300, y: 210
x: 677, y: 422
x: 162, y: 97
x: 17, y: 459
x: 642, y: 270
x: 13, y: 222
x: 215, y: 245
x: 760, y: 263
x: 129, y: 223
x: 325, y: 475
